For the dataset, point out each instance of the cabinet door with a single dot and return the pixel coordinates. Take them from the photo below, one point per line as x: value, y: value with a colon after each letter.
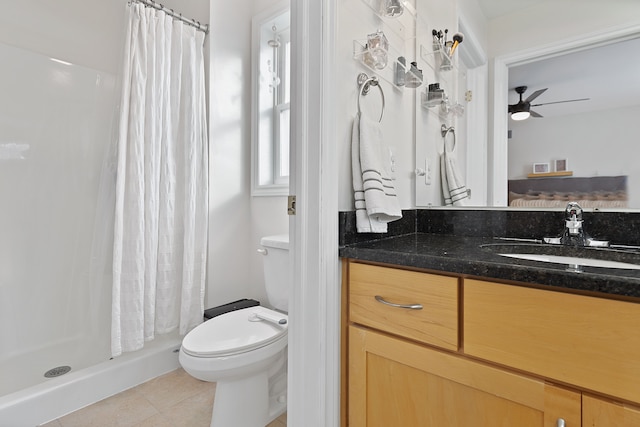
x: 393, y: 382
x: 593, y: 343
x: 601, y: 413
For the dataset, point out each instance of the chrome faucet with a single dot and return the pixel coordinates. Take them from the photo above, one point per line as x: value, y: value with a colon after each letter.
x: 573, y: 218
x: 574, y: 234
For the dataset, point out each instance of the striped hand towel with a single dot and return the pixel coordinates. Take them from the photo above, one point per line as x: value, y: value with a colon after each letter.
x: 453, y: 188
x: 376, y: 201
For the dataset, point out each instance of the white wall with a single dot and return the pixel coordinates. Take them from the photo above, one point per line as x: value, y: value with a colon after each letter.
x: 83, y: 32
x: 355, y: 22
x: 268, y: 214
x: 471, y: 13
x: 237, y: 220
x: 550, y: 21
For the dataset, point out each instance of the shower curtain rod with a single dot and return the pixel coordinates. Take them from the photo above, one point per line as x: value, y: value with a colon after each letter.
x: 176, y: 15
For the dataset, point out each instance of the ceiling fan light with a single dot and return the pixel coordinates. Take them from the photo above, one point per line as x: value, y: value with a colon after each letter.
x: 520, y: 115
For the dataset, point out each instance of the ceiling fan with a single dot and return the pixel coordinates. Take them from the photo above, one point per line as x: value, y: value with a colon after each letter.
x: 522, y: 110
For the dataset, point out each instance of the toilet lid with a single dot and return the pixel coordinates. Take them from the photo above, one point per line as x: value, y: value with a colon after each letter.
x: 235, y: 332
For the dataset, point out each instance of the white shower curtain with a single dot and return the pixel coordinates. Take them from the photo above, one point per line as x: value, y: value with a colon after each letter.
x: 161, y: 190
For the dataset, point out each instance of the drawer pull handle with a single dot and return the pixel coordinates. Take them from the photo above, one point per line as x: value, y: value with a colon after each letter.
x: 408, y: 306
x: 560, y: 423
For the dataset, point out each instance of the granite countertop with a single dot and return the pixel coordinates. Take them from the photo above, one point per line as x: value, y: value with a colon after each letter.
x: 465, y: 256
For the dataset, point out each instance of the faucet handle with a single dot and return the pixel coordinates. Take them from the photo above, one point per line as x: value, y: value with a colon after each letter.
x: 573, y: 219
x: 573, y: 212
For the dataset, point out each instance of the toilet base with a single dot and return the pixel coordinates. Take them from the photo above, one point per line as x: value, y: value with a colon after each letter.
x: 243, y: 402
x: 248, y: 402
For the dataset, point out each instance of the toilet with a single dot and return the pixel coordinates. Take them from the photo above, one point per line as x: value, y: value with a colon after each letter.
x: 245, y: 351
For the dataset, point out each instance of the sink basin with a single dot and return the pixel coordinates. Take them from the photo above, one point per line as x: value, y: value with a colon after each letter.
x: 575, y: 261
x: 576, y: 257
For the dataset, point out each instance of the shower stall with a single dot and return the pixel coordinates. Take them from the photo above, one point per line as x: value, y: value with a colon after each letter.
x: 57, y: 184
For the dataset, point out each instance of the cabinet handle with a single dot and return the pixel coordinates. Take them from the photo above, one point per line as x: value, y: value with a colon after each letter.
x: 408, y: 306
x: 560, y: 423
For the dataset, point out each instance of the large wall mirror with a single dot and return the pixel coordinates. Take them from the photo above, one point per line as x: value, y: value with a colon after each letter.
x: 580, y: 141
x: 594, y: 138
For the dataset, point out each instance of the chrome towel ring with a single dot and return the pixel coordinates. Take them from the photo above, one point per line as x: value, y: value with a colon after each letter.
x: 365, y: 82
x: 444, y: 130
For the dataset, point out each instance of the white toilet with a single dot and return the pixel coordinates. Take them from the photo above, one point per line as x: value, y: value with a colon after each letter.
x: 245, y: 351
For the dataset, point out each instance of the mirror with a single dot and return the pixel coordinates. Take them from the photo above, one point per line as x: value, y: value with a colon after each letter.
x: 585, y: 124
x: 517, y: 53
x: 595, y: 133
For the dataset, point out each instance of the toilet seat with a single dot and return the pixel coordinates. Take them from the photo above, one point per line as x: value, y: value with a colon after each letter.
x: 234, y: 333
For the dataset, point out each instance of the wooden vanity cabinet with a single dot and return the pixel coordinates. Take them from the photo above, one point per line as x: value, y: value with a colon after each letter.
x: 393, y: 382
x: 499, y: 363
x: 597, y: 412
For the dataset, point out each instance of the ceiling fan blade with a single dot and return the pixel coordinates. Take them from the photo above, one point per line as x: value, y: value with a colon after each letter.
x: 561, y: 102
x: 535, y: 94
x: 534, y: 114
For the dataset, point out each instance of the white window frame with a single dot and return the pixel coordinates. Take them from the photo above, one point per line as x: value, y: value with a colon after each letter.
x: 266, y: 105
x: 281, y: 104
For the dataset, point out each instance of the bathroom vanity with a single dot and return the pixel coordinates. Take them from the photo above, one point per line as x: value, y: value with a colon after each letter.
x: 440, y: 331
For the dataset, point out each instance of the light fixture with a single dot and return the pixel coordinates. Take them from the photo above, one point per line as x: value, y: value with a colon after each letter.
x: 521, y: 110
x: 520, y: 115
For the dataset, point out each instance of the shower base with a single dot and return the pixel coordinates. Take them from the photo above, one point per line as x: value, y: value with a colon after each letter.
x: 64, y: 394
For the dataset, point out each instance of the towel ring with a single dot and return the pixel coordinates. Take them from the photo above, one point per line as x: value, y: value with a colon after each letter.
x: 444, y: 130
x: 365, y: 82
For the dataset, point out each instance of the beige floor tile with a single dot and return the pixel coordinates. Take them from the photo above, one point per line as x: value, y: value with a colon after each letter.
x: 172, y: 400
x: 194, y: 411
x: 54, y: 423
x: 171, y: 388
x: 158, y: 420
x: 122, y: 410
x: 281, y: 421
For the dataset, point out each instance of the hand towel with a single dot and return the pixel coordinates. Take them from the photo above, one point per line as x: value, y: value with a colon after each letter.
x: 453, y: 188
x: 376, y: 201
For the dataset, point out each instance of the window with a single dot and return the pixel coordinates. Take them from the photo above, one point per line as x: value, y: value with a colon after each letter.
x: 271, y: 65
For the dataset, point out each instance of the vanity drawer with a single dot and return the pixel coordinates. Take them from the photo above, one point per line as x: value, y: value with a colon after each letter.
x: 590, y: 342
x: 435, y: 323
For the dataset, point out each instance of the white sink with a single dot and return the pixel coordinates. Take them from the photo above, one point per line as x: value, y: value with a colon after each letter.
x: 575, y: 261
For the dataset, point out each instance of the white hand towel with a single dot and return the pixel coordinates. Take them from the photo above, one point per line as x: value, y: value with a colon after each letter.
x: 453, y: 188
x: 375, y: 196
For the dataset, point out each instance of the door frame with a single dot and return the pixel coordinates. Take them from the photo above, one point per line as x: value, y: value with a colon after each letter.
x: 314, y: 305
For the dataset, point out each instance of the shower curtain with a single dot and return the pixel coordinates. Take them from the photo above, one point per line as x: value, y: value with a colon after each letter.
x: 161, y: 187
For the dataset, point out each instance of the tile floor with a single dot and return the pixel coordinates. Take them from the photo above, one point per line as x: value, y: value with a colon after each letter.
x: 172, y: 400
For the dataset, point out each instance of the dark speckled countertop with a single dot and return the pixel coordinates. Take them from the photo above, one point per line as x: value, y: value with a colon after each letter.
x: 465, y: 255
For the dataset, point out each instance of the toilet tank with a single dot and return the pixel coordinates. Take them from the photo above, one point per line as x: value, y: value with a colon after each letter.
x: 276, y: 270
